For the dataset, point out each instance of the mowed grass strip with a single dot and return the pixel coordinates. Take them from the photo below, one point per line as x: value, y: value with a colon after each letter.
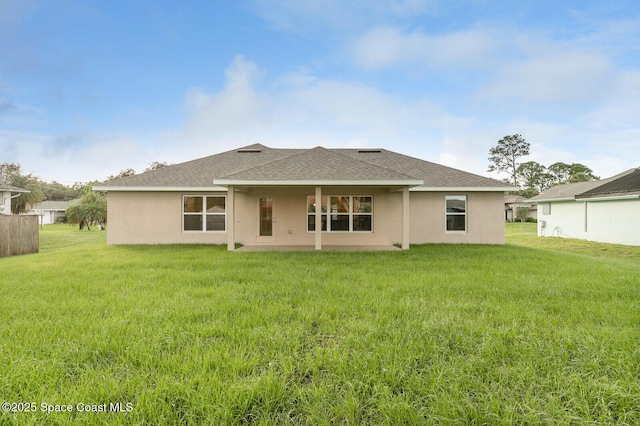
x: 438, y: 334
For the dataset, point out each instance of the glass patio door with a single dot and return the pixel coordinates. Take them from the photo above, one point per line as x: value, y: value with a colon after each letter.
x: 266, y: 219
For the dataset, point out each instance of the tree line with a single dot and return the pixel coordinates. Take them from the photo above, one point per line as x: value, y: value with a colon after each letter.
x: 532, y: 177
x: 90, y: 207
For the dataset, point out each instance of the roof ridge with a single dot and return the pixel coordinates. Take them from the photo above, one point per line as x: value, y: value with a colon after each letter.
x: 308, y: 151
x: 293, y: 153
x: 381, y: 150
x: 430, y: 163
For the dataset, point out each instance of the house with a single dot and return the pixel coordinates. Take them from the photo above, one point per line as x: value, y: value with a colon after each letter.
x: 50, y: 212
x: 603, y: 210
x: 511, y: 205
x: 315, y: 198
x: 7, y: 193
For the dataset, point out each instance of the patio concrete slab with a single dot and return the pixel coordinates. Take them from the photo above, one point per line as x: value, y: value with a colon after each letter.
x: 312, y: 248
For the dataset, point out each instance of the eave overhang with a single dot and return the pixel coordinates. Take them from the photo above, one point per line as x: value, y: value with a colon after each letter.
x: 314, y: 182
x: 609, y: 198
x: 463, y: 189
x: 551, y: 200
x: 159, y: 188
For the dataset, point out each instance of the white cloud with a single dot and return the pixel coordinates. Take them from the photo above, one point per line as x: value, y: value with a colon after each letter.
x: 79, y: 157
x: 305, y: 110
x: 558, y: 77
x: 391, y: 47
x: 301, y: 109
x: 504, y: 62
x: 237, y: 112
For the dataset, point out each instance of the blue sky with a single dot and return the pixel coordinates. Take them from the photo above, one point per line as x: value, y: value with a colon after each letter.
x: 88, y: 88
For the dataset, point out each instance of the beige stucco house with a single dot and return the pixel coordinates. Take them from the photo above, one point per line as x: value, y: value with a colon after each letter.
x: 316, y: 198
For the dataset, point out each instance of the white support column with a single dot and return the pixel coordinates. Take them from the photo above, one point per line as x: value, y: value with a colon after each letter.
x: 406, y: 218
x: 231, y: 219
x: 318, y: 233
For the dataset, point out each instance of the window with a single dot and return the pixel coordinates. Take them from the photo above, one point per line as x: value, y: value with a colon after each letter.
x: 204, y: 213
x: 546, y: 208
x: 456, y: 211
x: 341, y: 213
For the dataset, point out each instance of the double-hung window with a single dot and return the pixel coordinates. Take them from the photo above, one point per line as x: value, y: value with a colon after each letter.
x: 546, y: 208
x: 456, y: 213
x: 341, y: 213
x: 204, y: 213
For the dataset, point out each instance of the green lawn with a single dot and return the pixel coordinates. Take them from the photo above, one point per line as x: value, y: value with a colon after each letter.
x: 540, y: 331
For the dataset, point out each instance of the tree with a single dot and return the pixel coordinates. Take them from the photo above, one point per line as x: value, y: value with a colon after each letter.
x: 534, y: 176
x: 570, y: 173
x: 11, y: 174
x: 91, y: 210
x: 122, y: 174
x: 504, y: 156
x: 560, y: 172
x: 57, y: 191
x: 581, y: 173
x: 522, y: 212
x: 155, y: 165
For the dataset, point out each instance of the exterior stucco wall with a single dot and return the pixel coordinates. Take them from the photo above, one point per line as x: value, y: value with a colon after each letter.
x: 47, y: 217
x: 5, y: 202
x: 290, y: 217
x: 152, y: 218
x: 566, y: 219
x: 156, y: 218
x: 485, y: 218
x: 604, y: 221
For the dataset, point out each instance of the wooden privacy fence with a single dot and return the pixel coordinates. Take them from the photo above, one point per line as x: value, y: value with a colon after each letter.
x: 18, y: 235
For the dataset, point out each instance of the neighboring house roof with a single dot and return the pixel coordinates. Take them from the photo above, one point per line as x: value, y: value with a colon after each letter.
x: 625, y: 183
x: 511, y: 199
x: 53, y: 205
x: 10, y: 188
x: 260, y: 165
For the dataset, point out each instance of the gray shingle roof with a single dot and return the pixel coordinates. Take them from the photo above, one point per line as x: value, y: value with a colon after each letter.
x: 434, y: 175
x: 201, y: 172
x: 627, y: 184
x: 53, y: 205
x: 592, y: 189
x: 10, y: 188
x: 260, y: 163
x: 318, y: 164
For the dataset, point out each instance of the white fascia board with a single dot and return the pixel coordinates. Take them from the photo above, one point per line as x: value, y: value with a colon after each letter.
x: 15, y: 190
x: 159, y: 188
x: 551, y: 200
x: 612, y: 198
x: 231, y: 182
x: 464, y: 189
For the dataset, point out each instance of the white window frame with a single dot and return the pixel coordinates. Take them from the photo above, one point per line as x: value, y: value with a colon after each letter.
x: 350, y: 213
x: 204, y: 213
x: 465, y: 213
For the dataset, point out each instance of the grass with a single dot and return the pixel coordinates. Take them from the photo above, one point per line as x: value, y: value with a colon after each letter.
x: 540, y: 331
x: 524, y: 234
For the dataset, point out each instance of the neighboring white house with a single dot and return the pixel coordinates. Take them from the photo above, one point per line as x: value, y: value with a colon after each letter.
x: 7, y: 193
x: 606, y: 210
x: 50, y: 212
